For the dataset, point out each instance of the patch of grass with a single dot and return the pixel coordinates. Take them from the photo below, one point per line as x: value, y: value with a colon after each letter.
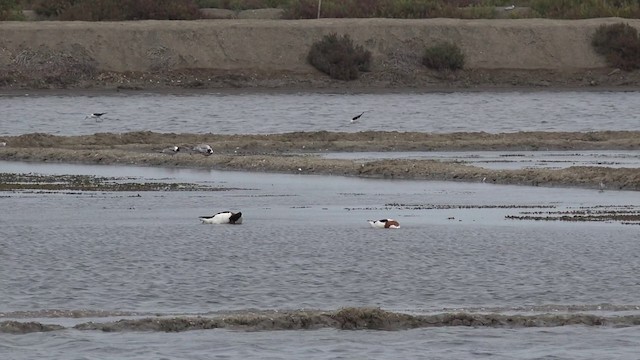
x: 585, y: 9
x: 339, y: 57
x: 117, y: 10
x: 9, y: 10
x: 243, y: 4
x: 443, y: 56
x: 620, y: 44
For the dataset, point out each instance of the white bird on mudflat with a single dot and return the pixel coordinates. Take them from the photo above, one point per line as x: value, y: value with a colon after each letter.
x: 172, y: 150
x: 203, y: 149
x: 96, y: 116
x: 510, y: 7
x: 384, y: 224
x: 224, y: 217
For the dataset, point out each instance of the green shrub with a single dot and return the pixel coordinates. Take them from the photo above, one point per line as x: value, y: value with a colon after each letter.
x: 243, y: 4
x: 443, y: 56
x: 118, y: 10
x: 7, y: 9
x: 620, y: 44
x: 339, y: 58
x: 585, y: 9
x: 52, y: 8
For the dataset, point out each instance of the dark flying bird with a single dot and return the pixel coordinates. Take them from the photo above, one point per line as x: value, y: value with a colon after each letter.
x: 355, y: 118
x: 94, y: 116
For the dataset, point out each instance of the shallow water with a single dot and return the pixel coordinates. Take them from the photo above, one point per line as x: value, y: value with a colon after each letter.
x: 510, y: 159
x: 72, y: 257
x: 273, y: 112
x: 305, y: 244
x: 435, y: 343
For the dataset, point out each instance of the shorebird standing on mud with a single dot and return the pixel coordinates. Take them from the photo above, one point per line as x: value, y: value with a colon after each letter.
x: 172, y: 150
x: 203, y: 149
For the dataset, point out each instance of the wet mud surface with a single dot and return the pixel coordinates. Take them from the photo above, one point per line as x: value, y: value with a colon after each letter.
x: 627, y: 215
x: 298, y: 153
x: 9, y: 181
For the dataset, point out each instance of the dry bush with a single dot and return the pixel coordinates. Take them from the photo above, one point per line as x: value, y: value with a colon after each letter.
x: 443, y: 56
x: 53, y: 68
x: 339, y: 57
x: 620, y: 44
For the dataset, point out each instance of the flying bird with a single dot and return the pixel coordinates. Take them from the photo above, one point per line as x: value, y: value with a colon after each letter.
x: 355, y: 118
x: 224, y: 217
x: 203, y: 149
x: 384, y: 224
x: 510, y: 7
x: 96, y: 116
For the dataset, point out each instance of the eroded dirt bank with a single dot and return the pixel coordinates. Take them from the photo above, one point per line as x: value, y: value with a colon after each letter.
x: 297, y: 153
x: 272, y: 54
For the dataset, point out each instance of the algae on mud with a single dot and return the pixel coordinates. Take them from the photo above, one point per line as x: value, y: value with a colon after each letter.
x: 10, y: 181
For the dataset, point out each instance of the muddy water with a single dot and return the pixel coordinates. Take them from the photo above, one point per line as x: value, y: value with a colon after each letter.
x: 263, y: 113
x: 305, y: 244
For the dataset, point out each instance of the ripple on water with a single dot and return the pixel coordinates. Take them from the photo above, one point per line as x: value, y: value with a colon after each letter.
x: 252, y: 112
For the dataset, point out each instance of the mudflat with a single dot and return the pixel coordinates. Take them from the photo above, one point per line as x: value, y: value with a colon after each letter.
x: 298, y: 153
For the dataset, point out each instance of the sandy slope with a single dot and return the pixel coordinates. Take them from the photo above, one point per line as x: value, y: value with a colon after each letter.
x: 272, y: 53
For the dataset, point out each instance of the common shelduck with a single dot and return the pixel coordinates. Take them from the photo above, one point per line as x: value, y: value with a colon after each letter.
x: 203, y: 149
x: 96, y: 116
x: 224, y: 217
x: 384, y: 224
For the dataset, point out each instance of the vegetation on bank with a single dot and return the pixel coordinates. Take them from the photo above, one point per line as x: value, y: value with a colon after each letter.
x: 9, y: 10
x: 95, y: 10
x: 443, y: 56
x: 339, y: 57
x: 620, y: 44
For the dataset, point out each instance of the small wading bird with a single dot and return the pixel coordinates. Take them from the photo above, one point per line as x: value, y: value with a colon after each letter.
x: 224, y: 217
x: 384, y: 224
x: 203, y: 149
x: 172, y: 150
x: 96, y: 116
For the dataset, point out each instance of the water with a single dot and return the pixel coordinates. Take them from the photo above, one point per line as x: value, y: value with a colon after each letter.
x: 263, y: 113
x: 510, y: 159
x: 305, y: 244
x: 69, y: 258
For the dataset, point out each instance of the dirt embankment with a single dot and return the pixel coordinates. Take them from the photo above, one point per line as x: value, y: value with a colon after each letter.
x: 272, y: 53
x: 297, y: 153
